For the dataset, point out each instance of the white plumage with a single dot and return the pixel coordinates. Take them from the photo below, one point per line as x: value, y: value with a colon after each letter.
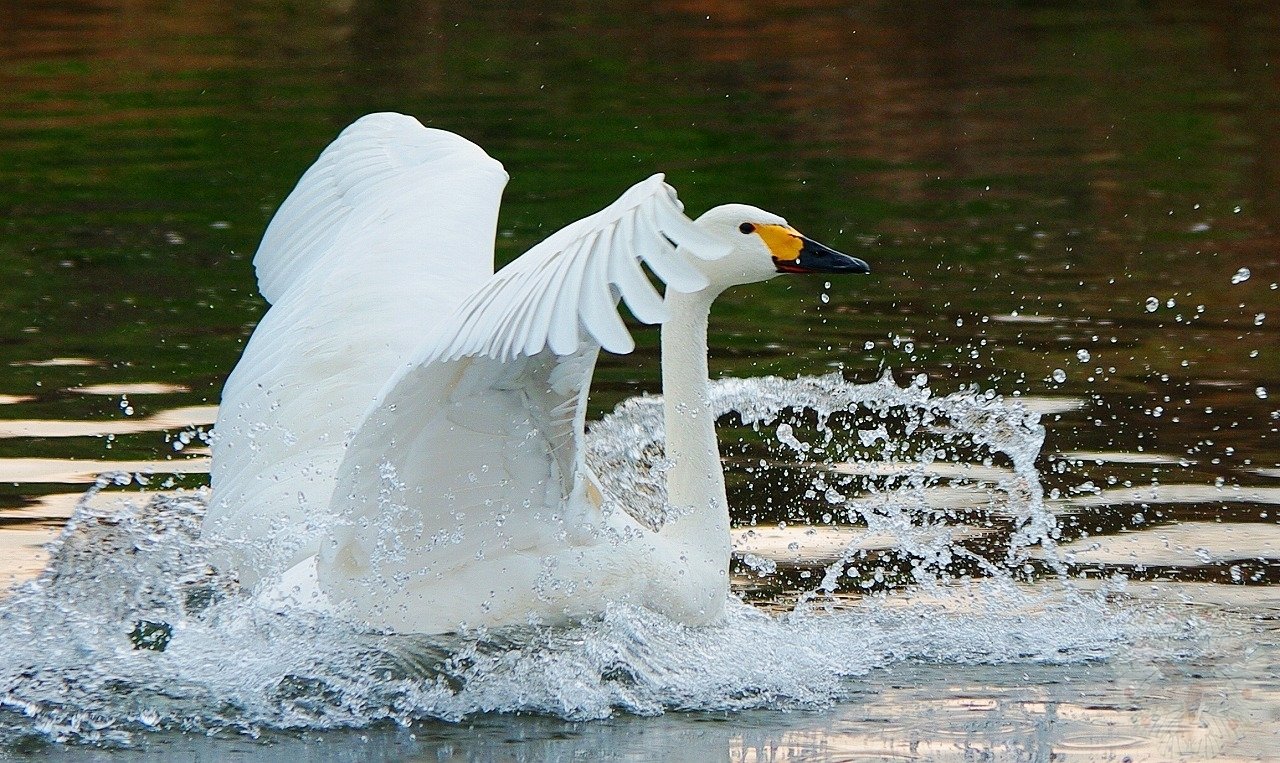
x: 391, y: 227
x: 403, y: 432
x: 562, y: 292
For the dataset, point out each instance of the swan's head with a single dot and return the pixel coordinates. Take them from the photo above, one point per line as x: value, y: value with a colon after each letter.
x: 764, y: 245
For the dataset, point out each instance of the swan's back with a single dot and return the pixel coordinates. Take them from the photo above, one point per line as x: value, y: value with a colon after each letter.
x: 384, y: 236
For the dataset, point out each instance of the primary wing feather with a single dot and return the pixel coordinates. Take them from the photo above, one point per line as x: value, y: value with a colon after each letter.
x: 390, y: 228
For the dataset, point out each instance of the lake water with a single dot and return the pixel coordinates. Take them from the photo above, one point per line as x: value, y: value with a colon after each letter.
x: 1069, y: 211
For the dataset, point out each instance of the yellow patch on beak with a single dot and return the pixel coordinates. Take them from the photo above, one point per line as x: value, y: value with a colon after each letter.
x: 783, y: 241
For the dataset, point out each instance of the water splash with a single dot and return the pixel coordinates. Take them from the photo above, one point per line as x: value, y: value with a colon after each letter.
x: 878, y: 459
x: 871, y: 454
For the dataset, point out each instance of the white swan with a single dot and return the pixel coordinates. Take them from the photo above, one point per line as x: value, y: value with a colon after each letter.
x: 405, y: 426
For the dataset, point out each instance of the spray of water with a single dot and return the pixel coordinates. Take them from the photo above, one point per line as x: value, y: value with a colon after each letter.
x: 897, y: 459
x: 888, y: 458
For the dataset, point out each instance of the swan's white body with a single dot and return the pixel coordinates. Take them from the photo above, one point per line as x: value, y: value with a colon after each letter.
x: 405, y: 426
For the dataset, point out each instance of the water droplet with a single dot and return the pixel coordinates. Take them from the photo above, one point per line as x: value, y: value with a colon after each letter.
x: 1153, y: 304
x: 1083, y: 356
x: 868, y: 345
x: 1059, y: 375
x: 825, y: 298
x: 1241, y: 276
x: 1259, y: 318
x: 1261, y: 392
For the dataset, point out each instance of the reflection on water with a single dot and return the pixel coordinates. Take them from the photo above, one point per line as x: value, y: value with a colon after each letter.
x: 137, y: 388
x: 48, y: 362
x: 45, y: 470
x: 1060, y: 202
x: 1187, y: 544
x: 187, y: 418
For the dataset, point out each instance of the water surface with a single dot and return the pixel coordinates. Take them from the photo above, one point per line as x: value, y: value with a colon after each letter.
x: 1073, y: 206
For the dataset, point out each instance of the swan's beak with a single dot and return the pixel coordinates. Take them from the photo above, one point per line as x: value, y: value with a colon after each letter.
x: 818, y: 258
x: 795, y: 253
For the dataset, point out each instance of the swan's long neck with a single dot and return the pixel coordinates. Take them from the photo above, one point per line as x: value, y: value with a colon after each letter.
x: 695, y: 482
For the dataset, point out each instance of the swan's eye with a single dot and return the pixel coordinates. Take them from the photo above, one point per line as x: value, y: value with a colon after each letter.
x: 747, y: 228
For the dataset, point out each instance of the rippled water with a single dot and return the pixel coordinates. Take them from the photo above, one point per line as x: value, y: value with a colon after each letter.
x: 1074, y: 209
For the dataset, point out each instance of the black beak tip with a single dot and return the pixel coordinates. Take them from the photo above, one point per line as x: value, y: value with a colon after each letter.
x: 856, y: 265
x: 816, y: 258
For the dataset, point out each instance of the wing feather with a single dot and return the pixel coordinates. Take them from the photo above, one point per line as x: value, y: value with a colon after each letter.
x: 645, y: 303
x: 564, y: 336
x: 650, y: 242
x: 599, y: 310
x: 546, y: 299
x: 379, y: 241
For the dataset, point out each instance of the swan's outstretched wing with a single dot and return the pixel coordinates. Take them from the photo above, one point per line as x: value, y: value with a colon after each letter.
x: 472, y: 455
x: 388, y: 230
x: 562, y: 291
